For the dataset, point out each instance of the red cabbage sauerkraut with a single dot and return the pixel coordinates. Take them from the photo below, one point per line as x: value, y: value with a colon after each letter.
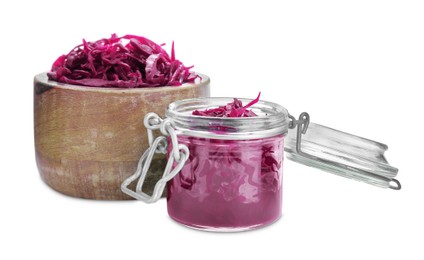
x: 112, y: 63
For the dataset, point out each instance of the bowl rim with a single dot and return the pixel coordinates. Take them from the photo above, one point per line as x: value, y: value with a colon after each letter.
x: 42, y: 78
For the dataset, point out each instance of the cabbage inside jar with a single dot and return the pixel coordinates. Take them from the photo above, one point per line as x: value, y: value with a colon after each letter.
x: 232, y: 180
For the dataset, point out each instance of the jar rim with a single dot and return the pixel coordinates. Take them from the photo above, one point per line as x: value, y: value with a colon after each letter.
x: 272, y: 119
x: 41, y: 81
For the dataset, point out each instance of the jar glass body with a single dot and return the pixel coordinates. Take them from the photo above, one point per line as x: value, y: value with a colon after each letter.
x: 232, y: 180
x: 228, y: 184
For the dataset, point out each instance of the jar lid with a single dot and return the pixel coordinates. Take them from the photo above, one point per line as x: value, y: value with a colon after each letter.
x: 340, y: 153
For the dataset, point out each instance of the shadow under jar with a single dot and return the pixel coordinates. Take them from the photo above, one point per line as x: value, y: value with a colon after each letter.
x: 232, y: 180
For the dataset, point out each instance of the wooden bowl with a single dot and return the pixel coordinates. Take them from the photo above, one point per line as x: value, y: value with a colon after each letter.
x: 88, y: 140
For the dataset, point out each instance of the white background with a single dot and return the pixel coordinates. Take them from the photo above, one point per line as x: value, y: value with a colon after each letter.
x: 353, y: 65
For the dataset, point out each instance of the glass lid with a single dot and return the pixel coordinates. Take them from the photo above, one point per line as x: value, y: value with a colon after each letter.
x: 340, y: 153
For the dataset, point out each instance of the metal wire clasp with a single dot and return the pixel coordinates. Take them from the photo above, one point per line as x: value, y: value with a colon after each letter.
x: 179, y: 154
x: 302, y: 126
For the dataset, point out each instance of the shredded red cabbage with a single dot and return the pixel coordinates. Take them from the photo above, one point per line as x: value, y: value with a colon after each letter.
x: 228, y: 183
x: 233, y: 109
x: 110, y: 63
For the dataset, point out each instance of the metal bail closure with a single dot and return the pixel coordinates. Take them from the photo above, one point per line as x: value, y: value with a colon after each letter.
x: 179, y: 154
x: 340, y: 153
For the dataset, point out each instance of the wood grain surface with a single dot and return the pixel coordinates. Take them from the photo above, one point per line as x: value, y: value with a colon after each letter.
x: 88, y: 140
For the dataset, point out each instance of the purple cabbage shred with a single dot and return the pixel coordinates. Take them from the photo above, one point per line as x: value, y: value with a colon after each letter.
x: 233, y: 109
x: 111, y: 63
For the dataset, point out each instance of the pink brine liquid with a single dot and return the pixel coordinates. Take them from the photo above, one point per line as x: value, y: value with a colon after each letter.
x: 228, y: 184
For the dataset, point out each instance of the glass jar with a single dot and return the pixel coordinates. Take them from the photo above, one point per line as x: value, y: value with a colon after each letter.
x: 225, y: 174
x: 232, y: 179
